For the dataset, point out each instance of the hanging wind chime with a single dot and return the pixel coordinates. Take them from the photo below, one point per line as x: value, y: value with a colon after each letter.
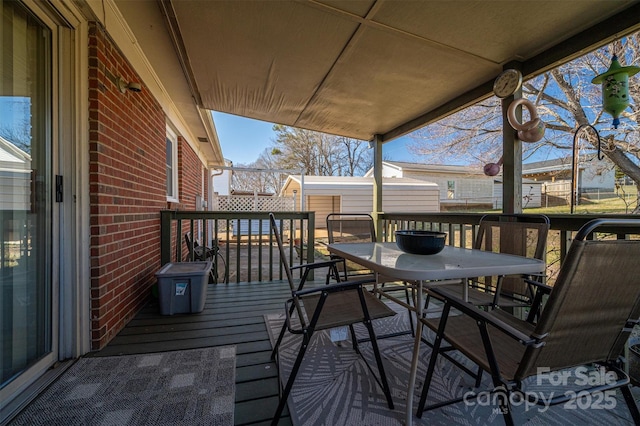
x: 615, y: 88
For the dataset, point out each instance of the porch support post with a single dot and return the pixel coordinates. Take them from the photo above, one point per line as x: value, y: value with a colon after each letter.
x: 376, y: 143
x: 512, y: 159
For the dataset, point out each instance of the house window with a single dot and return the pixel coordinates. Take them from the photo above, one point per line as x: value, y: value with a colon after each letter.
x: 172, y: 166
x: 451, y: 189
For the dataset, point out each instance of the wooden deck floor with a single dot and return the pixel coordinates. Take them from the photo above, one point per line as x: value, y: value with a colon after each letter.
x: 233, y: 315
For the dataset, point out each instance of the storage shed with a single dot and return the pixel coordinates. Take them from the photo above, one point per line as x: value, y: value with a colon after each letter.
x: 347, y: 194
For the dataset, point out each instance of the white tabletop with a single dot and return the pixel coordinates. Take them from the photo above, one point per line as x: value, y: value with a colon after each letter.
x: 450, y: 263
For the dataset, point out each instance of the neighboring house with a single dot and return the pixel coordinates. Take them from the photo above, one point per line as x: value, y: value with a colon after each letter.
x: 340, y: 194
x: 15, y: 203
x: 460, y: 186
x: 595, y: 179
x: 593, y: 174
x: 15, y: 177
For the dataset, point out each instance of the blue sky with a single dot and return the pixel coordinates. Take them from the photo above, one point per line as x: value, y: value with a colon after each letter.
x: 15, y: 114
x: 243, y: 139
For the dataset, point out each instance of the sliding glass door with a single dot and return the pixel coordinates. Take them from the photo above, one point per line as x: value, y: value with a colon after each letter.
x: 26, y: 220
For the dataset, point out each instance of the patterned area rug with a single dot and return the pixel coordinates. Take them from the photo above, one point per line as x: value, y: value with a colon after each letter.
x: 191, y: 387
x: 335, y: 387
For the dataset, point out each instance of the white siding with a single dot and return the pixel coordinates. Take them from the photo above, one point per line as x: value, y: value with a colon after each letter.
x: 15, y: 190
x: 597, y: 175
x: 472, y: 189
x: 408, y: 200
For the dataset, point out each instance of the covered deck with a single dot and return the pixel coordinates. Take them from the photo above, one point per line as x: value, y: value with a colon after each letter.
x: 373, y: 70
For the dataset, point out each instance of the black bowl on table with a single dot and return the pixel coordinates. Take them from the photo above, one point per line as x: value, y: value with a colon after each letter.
x: 420, y: 242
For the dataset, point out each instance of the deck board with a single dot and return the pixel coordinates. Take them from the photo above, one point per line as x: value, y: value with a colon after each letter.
x: 233, y: 315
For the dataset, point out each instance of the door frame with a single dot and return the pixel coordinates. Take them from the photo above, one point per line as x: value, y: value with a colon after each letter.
x: 70, y: 231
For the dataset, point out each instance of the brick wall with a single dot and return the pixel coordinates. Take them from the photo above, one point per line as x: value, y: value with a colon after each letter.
x: 127, y: 189
x: 189, y: 175
x: 190, y: 171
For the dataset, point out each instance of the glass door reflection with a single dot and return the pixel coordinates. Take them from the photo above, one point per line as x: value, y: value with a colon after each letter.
x: 25, y: 191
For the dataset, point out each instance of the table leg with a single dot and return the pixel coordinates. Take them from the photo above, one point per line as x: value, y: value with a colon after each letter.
x: 416, y: 354
x: 465, y: 289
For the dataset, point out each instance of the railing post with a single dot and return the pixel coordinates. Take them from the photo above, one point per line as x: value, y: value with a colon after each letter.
x: 376, y: 143
x: 165, y: 237
x: 311, y: 226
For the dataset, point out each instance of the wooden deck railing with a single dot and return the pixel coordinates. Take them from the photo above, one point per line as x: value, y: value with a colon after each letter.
x: 461, y: 229
x: 246, y: 247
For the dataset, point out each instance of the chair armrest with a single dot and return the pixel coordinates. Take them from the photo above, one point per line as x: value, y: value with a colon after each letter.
x: 332, y: 288
x: 287, y: 319
x: 541, y: 287
x: 316, y: 265
x: 486, y: 317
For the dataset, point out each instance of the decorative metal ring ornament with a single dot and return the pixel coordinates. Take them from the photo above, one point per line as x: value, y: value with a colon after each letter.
x: 531, y: 131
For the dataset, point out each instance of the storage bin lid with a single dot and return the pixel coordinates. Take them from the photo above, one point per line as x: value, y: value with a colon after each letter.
x: 184, y: 268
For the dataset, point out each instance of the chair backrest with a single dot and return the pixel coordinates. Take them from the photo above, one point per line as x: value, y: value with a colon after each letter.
x: 191, y: 245
x: 285, y: 264
x: 519, y: 234
x: 283, y: 254
x: 588, y: 313
x: 350, y: 228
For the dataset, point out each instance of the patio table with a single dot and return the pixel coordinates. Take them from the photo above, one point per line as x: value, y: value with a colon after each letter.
x: 452, y: 263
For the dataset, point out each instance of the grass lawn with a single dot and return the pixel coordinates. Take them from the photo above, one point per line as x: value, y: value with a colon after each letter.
x: 624, y: 203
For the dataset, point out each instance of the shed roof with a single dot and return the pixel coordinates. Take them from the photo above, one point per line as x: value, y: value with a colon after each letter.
x: 324, y: 182
x: 433, y: 168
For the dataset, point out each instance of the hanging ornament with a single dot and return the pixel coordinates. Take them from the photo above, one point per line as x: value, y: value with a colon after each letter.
x: 615, y: 88
x: 532, y: 130
x: 492, y: 169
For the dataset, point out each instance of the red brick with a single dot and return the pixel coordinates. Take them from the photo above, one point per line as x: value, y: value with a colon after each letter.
x: 128, y: 189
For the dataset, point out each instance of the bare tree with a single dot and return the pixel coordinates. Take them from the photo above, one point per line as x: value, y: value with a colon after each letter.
x: 309, y: 152
x: 319, y: 153
x: 566, y: 100
x: 356, y: 157
x: 263, y: 176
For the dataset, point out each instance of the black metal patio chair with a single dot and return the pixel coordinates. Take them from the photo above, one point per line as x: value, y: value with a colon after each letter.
x: 347, y: 228
x: 333, y: 305
x: 517, y: 234
x: 350, y: 228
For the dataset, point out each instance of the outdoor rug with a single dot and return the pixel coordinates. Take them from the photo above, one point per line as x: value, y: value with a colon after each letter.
x: 334, y: 386
x: 190, y: 387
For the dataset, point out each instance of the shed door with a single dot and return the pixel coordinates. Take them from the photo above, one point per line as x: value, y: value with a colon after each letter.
x: 322, y: 205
